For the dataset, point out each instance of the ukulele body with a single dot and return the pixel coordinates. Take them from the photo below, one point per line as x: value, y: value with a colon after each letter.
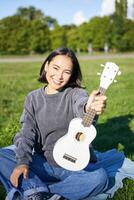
x: 72, y: 150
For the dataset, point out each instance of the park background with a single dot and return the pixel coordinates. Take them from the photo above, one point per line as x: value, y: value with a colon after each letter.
x: 28, y: 35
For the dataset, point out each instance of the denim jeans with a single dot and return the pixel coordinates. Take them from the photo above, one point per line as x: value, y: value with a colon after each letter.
x: 47, y: 178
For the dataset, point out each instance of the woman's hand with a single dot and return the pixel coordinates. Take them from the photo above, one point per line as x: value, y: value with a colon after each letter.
x: 96, y: 102
x: 19, y: 170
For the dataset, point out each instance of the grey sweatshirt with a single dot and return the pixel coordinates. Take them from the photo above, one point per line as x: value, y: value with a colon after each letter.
x: 45, y: 119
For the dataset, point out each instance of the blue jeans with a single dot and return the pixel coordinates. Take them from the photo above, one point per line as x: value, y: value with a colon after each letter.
x: 47, y: 178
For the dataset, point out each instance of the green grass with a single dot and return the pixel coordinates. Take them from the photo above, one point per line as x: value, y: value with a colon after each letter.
x: 115, y: 126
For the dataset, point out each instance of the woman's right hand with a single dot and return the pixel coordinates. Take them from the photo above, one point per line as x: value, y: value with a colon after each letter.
x: 19, y: 170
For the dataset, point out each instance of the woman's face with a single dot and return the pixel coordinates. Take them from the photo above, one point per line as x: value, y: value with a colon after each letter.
x: 58, y: 73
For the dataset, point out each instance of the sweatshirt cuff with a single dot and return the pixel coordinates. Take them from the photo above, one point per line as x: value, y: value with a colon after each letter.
x: 23, y: 162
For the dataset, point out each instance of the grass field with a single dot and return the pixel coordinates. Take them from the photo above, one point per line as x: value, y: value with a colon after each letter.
x: 115, y: 126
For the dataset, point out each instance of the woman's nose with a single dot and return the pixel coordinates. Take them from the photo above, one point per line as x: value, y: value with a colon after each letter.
x: 60, y: 75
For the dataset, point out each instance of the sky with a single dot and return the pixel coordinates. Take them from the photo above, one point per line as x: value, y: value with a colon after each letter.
x: 65, y: 11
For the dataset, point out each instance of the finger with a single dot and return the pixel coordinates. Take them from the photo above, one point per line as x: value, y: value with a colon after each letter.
x: 14, y: 180
x: 98, y: 106
x: 94, y: 93
x: 99, y: 102
x: 97, y: 98
x: 92, y: 97
x: 99, y: 113
x: 25, y: 174
x: 98, y: 109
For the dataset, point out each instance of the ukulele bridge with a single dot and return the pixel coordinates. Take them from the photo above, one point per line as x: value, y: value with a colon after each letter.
x: 69, y: 158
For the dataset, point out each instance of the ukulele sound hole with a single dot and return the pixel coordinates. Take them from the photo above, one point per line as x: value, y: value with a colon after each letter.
x: 80, y: 136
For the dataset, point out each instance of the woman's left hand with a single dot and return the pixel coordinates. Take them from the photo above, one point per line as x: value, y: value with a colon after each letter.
x: 96, y: 102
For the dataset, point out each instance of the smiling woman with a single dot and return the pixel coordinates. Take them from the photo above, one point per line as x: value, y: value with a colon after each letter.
x: 46, y: 116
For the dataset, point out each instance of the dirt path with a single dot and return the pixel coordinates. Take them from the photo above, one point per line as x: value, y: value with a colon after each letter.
x: 81, y: 57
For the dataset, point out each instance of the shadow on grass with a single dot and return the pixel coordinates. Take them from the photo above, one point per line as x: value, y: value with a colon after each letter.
x: 116, y: 133
x: 2, y: 192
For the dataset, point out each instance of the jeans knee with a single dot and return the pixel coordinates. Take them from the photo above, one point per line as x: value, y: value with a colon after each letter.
x: 7, y: 160
x: 2, y: 156
x: 102, y: 177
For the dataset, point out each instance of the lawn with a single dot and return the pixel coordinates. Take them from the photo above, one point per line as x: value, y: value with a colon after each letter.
x: 115, y: 128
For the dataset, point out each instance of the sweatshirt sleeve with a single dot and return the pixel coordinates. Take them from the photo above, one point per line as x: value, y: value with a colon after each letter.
x: 25, y: 139
x: 80, y: 98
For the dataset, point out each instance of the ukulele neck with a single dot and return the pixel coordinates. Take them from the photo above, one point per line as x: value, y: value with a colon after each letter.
x: 90, y: 114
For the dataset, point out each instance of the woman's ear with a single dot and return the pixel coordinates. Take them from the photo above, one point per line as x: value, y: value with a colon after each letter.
x: 46, y: 66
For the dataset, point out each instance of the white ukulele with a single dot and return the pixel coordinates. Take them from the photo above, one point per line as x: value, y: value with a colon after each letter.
x: 72, y: 150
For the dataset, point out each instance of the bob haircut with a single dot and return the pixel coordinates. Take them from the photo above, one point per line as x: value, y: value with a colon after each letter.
x: 76, y: 77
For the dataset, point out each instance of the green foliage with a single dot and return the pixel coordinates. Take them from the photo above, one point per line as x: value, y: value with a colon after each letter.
x: 51, y: 22
x: 12, y: 127
x: 13, y: 35
x: 99, y: 31
x: 121, y: 8
x: 126, y: 193
x: 72, y: 38
x: 58, y: 37
x: 26, y: 32
x: 118, y: 31
x: 128, y: 39
x: 39, y: 39
x: 30, y: 13
x: 15, y: 81
x: 30, y: 31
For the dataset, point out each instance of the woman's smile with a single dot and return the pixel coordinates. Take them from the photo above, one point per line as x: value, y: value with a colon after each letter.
x: 56, y: 81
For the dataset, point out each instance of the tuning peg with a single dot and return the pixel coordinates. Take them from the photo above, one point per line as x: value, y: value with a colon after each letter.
x: 98, y: 73
x: 102, y: 65
x: 115, y: 81
x: 119, y: 73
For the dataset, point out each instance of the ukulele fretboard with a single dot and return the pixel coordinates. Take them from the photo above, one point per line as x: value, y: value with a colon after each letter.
x: 89, y: 116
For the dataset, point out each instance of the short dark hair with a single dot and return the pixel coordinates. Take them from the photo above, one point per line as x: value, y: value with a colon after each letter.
x: 76, y: 77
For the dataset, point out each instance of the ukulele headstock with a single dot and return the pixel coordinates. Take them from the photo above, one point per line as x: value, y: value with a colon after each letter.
x: 108, y: 75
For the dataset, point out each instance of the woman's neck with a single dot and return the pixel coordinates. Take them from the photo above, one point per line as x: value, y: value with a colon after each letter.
x: 50, y: 91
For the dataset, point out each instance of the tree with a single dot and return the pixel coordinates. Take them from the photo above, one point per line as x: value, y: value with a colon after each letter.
x: 95, y: 32
x: 30, y: 13
x: 14, y: 35
x: 51, y: 22
x: 72, y: 37
x: 21, y: 36
x: 121, y: 8
x: 39, y: 38
x: 118, y: 24
x: 127, y: 38
x: 58, y: 37
x: 31, y: 31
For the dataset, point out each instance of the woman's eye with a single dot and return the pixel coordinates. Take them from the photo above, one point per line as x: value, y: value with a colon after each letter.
x: 55, y: 68
x: 68, y: 72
